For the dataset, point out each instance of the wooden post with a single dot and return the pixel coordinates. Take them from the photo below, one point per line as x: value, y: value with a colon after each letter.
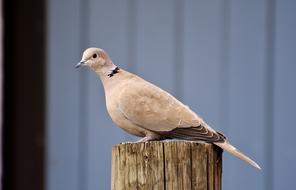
x: 167, y: 165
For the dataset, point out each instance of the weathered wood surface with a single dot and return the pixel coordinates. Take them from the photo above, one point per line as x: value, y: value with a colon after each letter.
x: 170, y: 165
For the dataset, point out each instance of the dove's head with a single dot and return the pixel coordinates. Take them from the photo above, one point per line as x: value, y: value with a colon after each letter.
x: 97, y: 59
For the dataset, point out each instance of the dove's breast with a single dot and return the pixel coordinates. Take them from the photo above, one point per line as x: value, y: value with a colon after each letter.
x: 112, y: 98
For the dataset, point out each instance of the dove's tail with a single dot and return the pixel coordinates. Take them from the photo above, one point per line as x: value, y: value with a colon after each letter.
x: 232, y: 150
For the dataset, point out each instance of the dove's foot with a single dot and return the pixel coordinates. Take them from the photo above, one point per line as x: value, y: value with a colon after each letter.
x: 145, y: 139
x: 126, y: 142
x: 151, y: 137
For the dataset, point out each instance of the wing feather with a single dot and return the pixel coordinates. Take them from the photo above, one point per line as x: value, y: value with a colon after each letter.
x: 195, y: 134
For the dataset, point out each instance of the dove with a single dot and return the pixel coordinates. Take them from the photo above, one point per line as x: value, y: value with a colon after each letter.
x: 142, y: 109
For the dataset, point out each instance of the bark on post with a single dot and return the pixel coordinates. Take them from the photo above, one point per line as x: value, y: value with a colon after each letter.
x: 169, y: 165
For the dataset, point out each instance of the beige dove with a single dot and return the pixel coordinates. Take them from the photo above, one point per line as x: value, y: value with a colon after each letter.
x: 145, y: 110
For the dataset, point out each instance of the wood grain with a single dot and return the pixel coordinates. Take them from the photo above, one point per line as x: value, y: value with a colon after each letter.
x: 169, y: 165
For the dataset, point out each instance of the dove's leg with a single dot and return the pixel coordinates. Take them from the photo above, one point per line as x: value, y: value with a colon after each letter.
x: 150, y: 137
x: 145, y: 139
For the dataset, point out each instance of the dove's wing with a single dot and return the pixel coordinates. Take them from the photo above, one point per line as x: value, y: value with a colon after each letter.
x: 152, y: 108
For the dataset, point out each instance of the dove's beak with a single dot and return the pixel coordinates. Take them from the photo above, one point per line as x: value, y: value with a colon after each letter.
x: 81, y: 63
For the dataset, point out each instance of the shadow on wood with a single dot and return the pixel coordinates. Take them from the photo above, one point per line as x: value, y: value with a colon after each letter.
x: 178, y: 165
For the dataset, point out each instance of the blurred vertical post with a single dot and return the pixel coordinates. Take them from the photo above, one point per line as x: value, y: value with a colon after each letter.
x: 24, y: 31
x: 1, y: 89
x: 166, y: 165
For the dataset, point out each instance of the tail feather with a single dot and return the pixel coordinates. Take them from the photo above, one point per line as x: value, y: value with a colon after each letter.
x: 232, y: 150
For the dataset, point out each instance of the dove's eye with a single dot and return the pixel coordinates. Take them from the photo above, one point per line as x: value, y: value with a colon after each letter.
x: 94, y: 56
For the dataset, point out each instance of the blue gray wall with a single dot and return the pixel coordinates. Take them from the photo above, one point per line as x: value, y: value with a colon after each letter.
x: 233, y: 62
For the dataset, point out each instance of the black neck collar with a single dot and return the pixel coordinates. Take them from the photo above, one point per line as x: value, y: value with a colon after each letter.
x: 113, y: 72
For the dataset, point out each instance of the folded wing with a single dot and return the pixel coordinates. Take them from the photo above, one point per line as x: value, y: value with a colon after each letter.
x: 154, y: 109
